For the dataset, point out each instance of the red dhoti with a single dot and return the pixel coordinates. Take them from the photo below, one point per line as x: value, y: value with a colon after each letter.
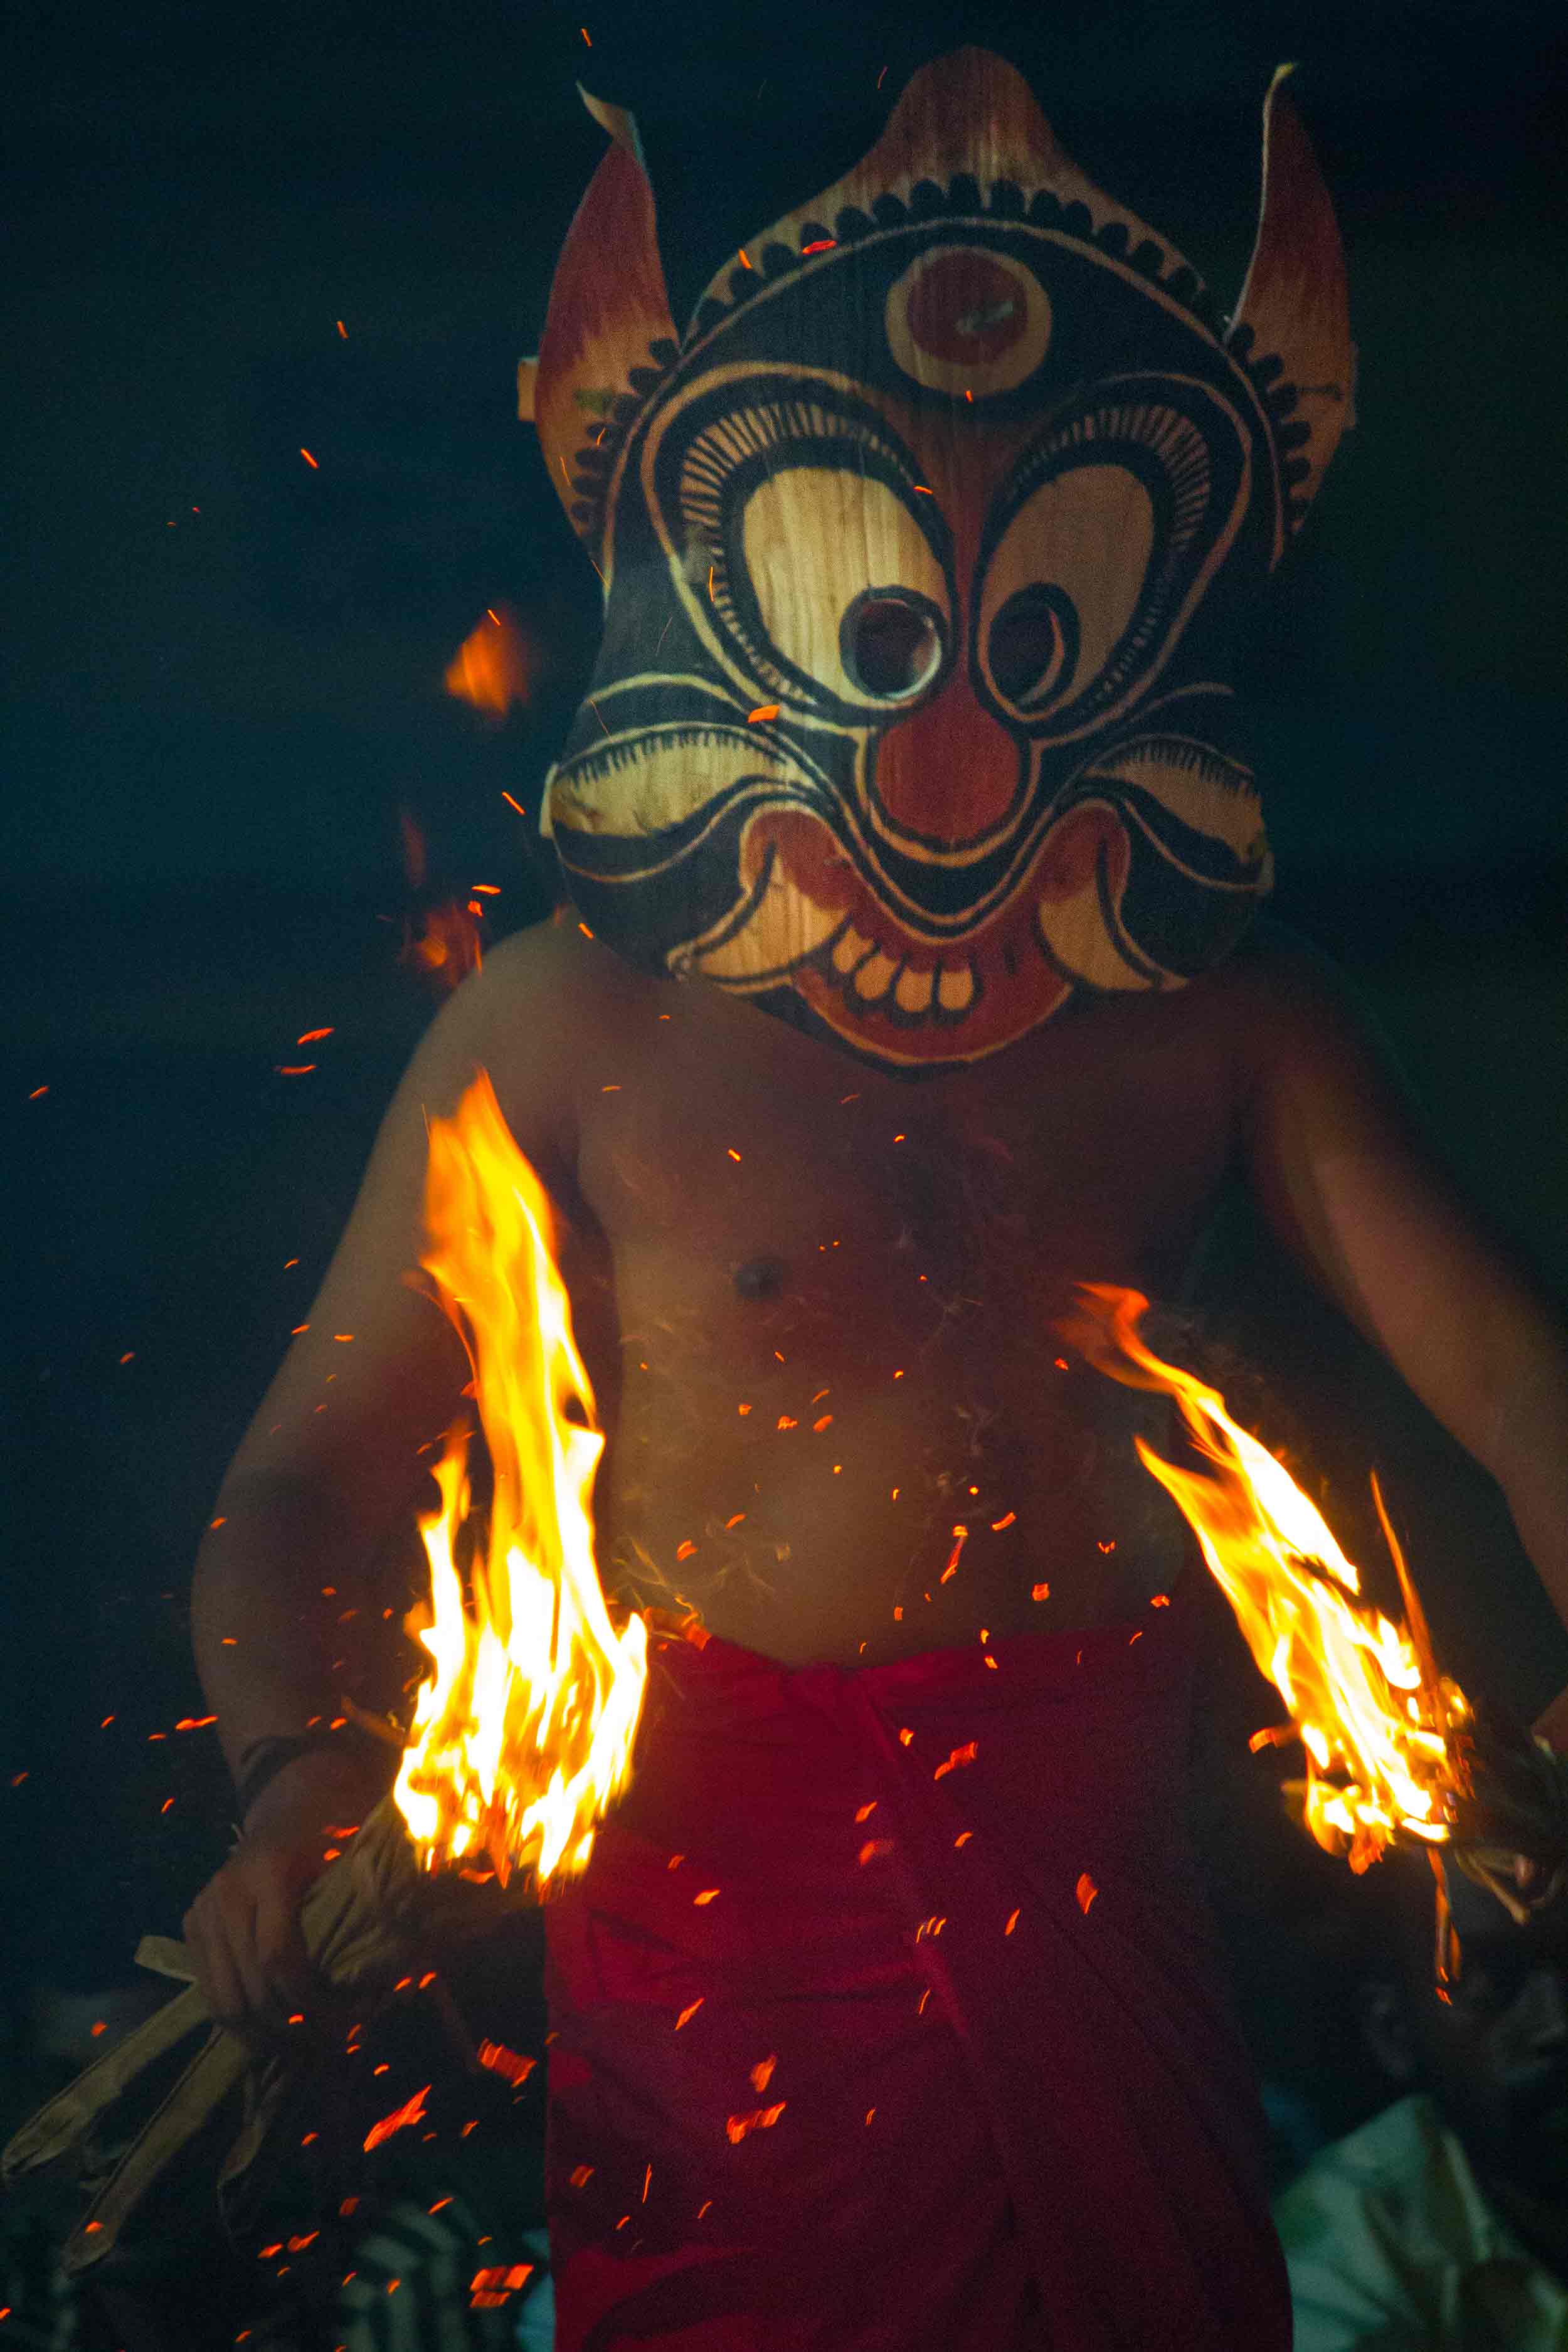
x: 888, y: 2018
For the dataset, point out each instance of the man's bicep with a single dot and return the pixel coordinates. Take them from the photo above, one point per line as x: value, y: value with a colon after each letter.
x: 1345, y: 1173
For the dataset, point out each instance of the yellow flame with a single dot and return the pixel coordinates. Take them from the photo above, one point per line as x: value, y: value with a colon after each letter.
x: 1379, y: 1766
x: 524, y: 1731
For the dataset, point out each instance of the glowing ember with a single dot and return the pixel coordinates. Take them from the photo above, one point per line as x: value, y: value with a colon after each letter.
x: 524, y: 1732
x: 411, y: 2112
x: 1364, y: 1698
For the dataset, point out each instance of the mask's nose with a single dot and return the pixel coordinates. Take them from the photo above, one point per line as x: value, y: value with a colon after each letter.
x: 949, y: 771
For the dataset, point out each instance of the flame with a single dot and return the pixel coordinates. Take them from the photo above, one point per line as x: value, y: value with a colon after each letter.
x: 1365, y: 1699
x: 524, y: 1731
x: 444, y: 947
x: 494, y: 666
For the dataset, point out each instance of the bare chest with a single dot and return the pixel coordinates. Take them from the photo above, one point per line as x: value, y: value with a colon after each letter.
x: 834, y: 1300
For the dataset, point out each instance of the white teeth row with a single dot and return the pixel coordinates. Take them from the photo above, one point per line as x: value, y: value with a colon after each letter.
x: 875, y: 972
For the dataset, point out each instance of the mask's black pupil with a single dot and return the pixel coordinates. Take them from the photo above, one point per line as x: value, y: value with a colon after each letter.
x: 1033, y: 642
x: 889, y: 644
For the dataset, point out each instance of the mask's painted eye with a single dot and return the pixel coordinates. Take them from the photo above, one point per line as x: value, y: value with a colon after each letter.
x: 1033, y: 643
x: 1073, y: 559
x: 848, y: 589
x: 890, y: 642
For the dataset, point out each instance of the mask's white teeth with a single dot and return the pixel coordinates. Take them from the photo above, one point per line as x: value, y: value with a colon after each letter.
x: 955, y: 988
x: 876, y: 974
x: 913, y: 992
x: 848, y: 948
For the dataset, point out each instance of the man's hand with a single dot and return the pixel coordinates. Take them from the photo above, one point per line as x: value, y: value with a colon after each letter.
x: 1512, y: 1830
x: 243, y: 1929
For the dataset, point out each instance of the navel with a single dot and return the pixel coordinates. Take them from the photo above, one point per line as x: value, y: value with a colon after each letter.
x: 760, y: 1277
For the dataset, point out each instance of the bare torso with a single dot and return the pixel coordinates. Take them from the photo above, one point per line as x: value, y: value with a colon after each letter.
x: 818, y: 1307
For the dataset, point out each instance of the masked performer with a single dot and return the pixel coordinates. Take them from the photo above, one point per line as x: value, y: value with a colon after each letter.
x: 885, y: 2014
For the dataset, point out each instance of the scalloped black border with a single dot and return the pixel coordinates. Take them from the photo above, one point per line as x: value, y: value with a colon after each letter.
x: 961, y: 200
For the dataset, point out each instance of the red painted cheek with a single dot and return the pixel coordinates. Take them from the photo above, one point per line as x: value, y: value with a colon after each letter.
x: 1072, y: 851
x: 949, y: 771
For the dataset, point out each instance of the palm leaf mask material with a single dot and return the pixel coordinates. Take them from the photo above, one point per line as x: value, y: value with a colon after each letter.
x: 923, y: 551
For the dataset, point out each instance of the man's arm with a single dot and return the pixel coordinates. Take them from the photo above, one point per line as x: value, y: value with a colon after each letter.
x: 334, y: 1464
x: 1340, y: 1166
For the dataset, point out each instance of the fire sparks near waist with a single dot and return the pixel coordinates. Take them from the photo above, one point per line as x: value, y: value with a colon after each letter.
x: 1364, y: 1698
x: 524, y: 1732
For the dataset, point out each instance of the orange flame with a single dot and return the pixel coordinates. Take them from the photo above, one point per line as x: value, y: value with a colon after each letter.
x: 524, y: 1731
x: 445, y: 946
x: 494, y: 666
x: 1364, y: 1698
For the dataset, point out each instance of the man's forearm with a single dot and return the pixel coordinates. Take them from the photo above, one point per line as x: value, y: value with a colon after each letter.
x: 283, y: 1607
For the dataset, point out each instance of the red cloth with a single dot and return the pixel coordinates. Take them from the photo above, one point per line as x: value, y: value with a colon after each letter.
x: 1032, y: 2124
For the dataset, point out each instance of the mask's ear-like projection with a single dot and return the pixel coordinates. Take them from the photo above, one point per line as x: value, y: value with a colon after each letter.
x: 609, y: 333
x: 1293, y: 305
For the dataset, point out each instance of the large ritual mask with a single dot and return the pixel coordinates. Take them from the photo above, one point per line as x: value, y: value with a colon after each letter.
x: 923, y: 551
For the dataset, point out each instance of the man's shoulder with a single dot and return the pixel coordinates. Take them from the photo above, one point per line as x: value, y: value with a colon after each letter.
x: 539, y: 1017
x: 555, y: 969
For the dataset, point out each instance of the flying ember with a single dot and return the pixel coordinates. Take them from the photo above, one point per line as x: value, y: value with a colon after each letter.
x: 524, y: 1731
x: 1373, y: 1714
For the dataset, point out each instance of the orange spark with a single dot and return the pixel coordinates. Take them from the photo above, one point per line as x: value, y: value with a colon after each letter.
x: 411, y: 2112
x: 312, y: 1036
x: 510, y: 2065
x: 759, y: 2119
x: 308, y: 459
x: 1086, y: 1890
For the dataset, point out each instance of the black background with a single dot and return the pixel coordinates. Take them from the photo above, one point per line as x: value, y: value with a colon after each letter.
x: 224, y: 684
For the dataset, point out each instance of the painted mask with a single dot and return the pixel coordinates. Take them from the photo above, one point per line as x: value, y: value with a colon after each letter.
x: 923, y: 551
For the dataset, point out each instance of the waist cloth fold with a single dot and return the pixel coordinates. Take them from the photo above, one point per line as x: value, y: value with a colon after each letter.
x: 888, y: 2017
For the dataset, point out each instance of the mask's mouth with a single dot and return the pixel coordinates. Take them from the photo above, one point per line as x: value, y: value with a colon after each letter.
x: 810, y: 921
x: 753, y: 887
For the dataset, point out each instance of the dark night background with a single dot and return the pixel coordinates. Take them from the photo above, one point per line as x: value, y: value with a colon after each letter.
x: 225, y: 683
